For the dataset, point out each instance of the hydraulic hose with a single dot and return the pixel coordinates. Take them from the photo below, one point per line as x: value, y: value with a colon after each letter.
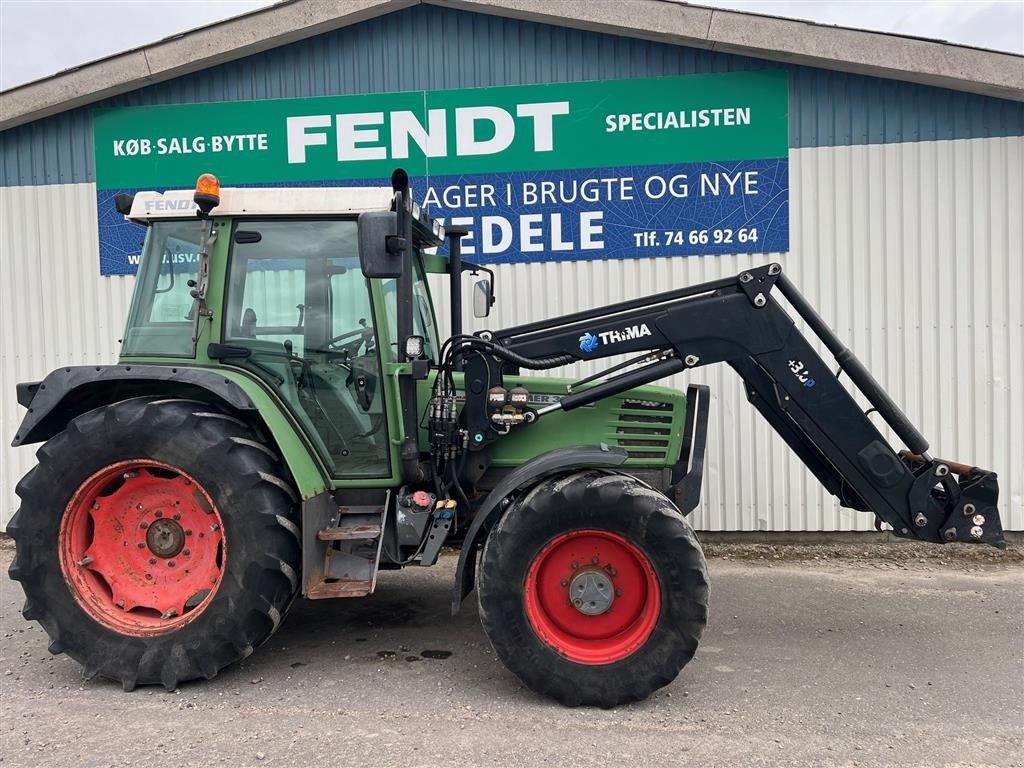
x: 534, y: 364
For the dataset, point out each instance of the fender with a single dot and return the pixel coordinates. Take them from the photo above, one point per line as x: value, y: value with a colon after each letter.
x: 558, y: 460
x: 68, y: 392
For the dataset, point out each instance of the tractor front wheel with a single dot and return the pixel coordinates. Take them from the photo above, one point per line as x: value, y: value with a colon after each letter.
x: 156, y: 541
x: 593, y: 589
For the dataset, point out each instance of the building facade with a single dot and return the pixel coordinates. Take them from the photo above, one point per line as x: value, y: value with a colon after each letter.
x: 905, y: 208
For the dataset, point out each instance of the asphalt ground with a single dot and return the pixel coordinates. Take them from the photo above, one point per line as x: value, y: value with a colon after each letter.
x: 820, y: 656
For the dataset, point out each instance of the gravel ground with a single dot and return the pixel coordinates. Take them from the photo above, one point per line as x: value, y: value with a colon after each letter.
x: 902, y: 555
x: 831, y: 655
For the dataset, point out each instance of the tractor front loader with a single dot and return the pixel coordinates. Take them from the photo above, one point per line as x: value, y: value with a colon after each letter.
x: 284, y: 420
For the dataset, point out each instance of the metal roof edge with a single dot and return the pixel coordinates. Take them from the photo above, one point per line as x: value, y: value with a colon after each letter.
x: 877, y: 54
x: 193, y: 51
x: 792, y: 41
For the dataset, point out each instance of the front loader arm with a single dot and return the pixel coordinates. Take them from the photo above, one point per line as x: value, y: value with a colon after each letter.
x: 740, y: 321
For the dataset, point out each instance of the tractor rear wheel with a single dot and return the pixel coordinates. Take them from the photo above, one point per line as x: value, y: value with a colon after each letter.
x: 593, y: 589
x: 156, y: 541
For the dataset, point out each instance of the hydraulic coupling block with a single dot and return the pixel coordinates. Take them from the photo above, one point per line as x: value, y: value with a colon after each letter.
x: 507, y: 408
x: 447, y: 440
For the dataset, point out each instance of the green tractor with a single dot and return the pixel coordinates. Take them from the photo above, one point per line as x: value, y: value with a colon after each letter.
x: 286, y: 420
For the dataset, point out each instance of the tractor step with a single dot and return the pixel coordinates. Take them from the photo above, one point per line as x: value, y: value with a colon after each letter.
x: 326, y: 590
x: 349, y: 543
x: 349, y: 531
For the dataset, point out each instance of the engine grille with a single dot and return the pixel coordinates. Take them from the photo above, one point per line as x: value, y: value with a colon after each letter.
x: 643, y: 428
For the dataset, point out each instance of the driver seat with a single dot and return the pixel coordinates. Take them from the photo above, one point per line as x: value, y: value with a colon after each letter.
x: 247, y: 329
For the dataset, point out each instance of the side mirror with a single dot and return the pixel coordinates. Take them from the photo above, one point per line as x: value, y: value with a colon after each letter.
x: 380, y: 252
x: 482, y: 298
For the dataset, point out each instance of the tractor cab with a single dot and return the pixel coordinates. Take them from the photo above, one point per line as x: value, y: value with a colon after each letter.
x: 272, y: 281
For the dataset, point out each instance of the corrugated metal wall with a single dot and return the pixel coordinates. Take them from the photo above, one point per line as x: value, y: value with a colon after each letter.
x: 55, y: 309
x: 912, y: 251
x: 391, y: 53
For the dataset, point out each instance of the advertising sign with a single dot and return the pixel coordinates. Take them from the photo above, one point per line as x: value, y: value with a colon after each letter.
x: 670, y: 166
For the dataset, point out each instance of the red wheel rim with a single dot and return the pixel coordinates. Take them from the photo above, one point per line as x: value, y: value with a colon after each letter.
x: 606, y: 565
x: 142, y: 547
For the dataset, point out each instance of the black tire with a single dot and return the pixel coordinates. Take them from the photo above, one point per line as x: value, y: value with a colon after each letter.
x: 261, y: 559
x: 630, y: 510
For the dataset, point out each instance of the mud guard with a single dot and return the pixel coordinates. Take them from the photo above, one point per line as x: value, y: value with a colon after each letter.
x: 68, y: 392
x: 558, y: 460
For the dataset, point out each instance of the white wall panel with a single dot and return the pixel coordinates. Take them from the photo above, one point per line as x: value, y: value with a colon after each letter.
x: 912, y: 252
x: 55, y: 308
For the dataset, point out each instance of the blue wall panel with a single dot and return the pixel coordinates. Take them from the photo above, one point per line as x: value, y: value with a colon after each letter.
x: 427, y: 47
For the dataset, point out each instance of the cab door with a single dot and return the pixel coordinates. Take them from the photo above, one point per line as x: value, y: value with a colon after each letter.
x: 297, y: 299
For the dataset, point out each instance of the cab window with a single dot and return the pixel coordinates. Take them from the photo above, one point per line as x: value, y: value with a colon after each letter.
x: 423, y: 321
x: 297, y: 299
x: 160, y: 320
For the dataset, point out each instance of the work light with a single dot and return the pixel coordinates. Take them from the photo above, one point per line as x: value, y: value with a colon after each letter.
x: 414, y: 347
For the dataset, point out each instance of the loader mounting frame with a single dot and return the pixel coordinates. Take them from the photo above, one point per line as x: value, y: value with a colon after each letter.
x: 740, y: 321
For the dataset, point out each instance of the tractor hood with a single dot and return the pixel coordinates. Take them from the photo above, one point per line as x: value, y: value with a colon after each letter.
x: 646, y: 421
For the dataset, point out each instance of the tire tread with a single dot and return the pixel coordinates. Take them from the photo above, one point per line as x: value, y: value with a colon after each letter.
x: 254, y: 474
x: 631, y: 508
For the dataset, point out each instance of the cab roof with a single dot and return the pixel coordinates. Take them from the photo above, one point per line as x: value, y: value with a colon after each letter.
x: 263, y: 201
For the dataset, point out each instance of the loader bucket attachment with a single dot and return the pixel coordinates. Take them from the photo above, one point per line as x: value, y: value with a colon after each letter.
x: 954, y: 502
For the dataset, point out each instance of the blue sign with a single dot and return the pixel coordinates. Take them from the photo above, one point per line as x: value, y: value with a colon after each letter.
x: 613, y: 169
x: 599, y: 213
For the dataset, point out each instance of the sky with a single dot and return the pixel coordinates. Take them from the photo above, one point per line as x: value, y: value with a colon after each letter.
x: 41, y: 37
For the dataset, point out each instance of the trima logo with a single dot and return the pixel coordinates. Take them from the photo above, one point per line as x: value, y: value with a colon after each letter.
x: 588, y: 342
x: 625, y: 334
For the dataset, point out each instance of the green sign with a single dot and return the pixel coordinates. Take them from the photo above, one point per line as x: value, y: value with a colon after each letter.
x: 607, y: 169
x: 733, y: 116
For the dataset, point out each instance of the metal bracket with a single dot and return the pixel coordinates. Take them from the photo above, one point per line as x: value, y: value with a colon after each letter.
x: 444, y: 516
x: 975, y: 517
x: 964, y: 510
x: 688, y: 472
x: 757, y: 283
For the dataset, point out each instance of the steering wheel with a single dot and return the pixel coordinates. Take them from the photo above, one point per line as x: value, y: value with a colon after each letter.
x: 362, y: 336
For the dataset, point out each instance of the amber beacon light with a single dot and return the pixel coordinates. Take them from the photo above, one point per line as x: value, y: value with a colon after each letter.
x: 207, y: 195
